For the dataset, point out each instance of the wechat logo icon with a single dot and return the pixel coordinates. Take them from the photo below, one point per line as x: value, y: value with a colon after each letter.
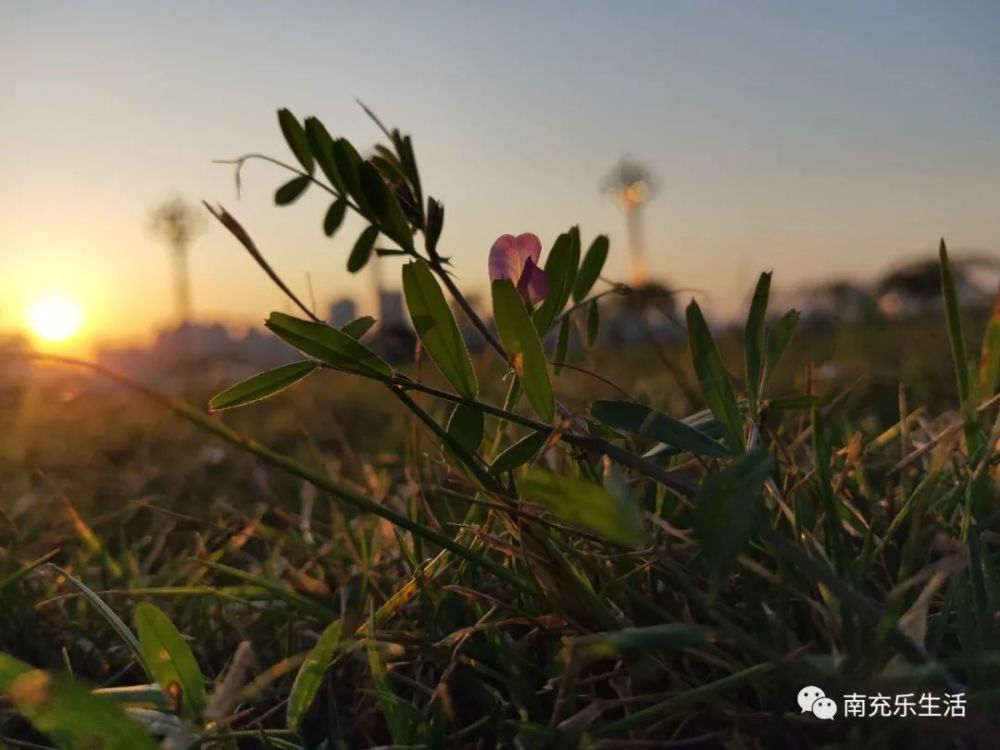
x: 812, y: 700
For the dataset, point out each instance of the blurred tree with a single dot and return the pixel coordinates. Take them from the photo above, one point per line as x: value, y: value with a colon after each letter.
x: 179, y: 223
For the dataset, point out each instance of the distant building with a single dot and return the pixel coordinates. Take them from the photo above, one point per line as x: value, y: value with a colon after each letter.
x: 342, y: 312
x: 391, y: 311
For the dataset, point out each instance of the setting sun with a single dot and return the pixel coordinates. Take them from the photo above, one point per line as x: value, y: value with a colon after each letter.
x: 55, y: 318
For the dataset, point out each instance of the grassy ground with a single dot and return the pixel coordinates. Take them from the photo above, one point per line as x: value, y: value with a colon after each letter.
x: 875, y: 569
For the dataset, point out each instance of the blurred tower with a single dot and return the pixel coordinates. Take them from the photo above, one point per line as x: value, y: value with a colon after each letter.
x: 631, y: 185
x: 178, y: 223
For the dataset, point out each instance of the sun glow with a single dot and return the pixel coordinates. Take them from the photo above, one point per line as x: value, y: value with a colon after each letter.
x: 55, y: 318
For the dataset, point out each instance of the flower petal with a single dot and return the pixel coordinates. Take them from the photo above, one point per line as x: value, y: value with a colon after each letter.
x: 533, y: 284
x: 505, y: 260
x: 528, y: 247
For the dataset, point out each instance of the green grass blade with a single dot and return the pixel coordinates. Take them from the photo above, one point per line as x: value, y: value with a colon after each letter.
x: 310, y: 675
x: 727, y: 507
x: 955, y: 335
x: 715, y: 385
x: 756, y: 341
x: 119, y: 626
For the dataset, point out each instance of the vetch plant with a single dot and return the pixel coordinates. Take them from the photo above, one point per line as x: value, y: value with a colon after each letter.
x: 603, y: 574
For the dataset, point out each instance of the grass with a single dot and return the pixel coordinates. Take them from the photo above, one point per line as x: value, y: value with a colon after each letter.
x: 666, y: 563
x: 437, y: 652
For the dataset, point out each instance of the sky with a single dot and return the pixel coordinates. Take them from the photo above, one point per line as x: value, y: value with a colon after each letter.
x: 819, y: 140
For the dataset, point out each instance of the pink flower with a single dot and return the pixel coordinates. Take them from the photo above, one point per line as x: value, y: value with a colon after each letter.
x: 516, y: 258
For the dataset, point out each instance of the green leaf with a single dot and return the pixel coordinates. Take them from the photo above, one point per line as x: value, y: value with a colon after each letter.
x: 641, y: 420
x: 310, y: 675
x: 334, y: 217
x: 560, y: 268
x: 954, y: 318
x: 778, y: 338
x: 400, y: 715
x: 582, y: 503
x: 291, y: 190
x: 67, y: 712
x: 756, y: 341
x: 347, y: 161
x: 169, y: 656
x: 328, y: 345
x: 989, y: 357
x: 362, y: 250
x: 562, y: 344
x: 593, y: 322
x: 296, y: 138
x: 385, y: 206
x: 590, y: 269
x: 727, y: 505
x: 262, y: 385
x: 519, y: 453
x: 520, y: 339
x: 359, y: 326
x: 435, y: 325
x: 714, y: 380
x: 321, y: 145
x: 467, y: 426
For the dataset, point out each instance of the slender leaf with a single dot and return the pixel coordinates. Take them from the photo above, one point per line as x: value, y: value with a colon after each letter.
x: 328, y: 345
x: 519, y: 453
x: 715, y: 385
x: 385, y: 206
x: 523, y: 347
x: 362, y: 250
x: 321, y: 145
x: 334, y: 217
x: 585, y: 504
x: 590, y: 269
x: 756, y: 341
x: 310, y: 675
x: 562, y: 344
x: 435, y: 325
x: 359, y: 326
x: 989, y: 357
x: 778, y: 338
x: 291, y: 190
x: 641, y: 420
x: 119, y: 626
x: 593, y: 322
x: 169, y: 656
x: 262, y: 386
x: 560, y: 268
x: 957, y: 338
x: 467, y: 426
x: 727, y: 506
x: 347, y: 161
x: 296, y: 138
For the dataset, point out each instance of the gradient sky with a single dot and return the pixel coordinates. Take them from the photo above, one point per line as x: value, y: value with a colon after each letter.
x: 811, y: 138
